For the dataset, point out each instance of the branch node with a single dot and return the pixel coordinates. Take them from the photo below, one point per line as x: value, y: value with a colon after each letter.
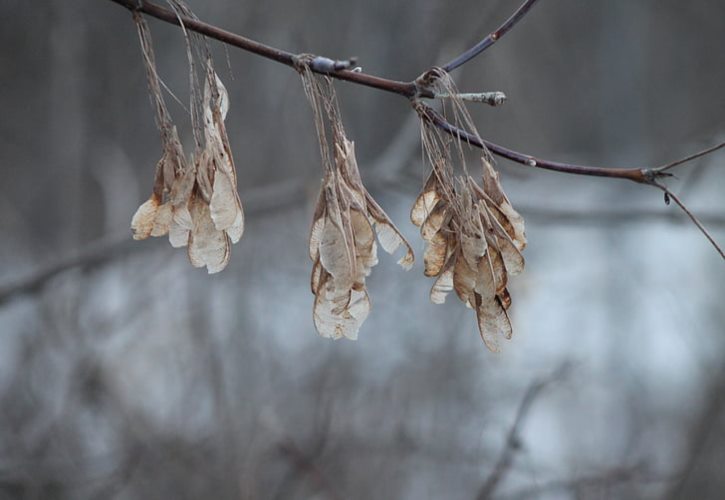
x: 321, y: 64
x: 652, y: 175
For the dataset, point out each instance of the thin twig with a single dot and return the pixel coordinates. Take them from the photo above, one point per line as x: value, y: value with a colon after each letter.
x: 692, y: 217
x: 633, y: 174
x: 620, y: 215
x: 96, y: 252
x: 513, y: 444
x: 614, y: 477
x: 492, y: 38
x: 406, y: 89
x: 699, y: 154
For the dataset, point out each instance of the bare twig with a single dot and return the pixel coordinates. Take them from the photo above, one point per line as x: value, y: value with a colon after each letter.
x: 406, y: 89
x: 613, y: 477
x: 640, y: 175
x: 619, y: 215
x: 701, y: 433
x: 492, y: 38
x: 513, y: 444
x: 93, y: 253
x: 686, y: 159
x: 670, y: 195
x: 307, y: 468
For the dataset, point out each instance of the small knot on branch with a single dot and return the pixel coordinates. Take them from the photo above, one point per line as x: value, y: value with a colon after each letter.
x: 426, y: 82
x: 321, y: 64
x: 652, y: 175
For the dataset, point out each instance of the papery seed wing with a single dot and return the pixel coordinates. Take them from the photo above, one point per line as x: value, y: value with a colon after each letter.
x: 205, y: 173
x: 464, y: 280
x: 318, y: 278
x: 426, y: 201
x: 493, y: 321
x: 492, y: 276
x: 318, y: 224
x: 516, y: 221
x: 223, y: 102
x: 142, y: 222
x: 438, y: 217
x: 491, y: 183
x: 389, y: 236
x: 207, y: 245
x: 512, y: 257
x: 365, y: 247
x: 435, y: 254
x: 443, y: 284
x: 162, y: 223
x: 348, y: 322
x: 182, y: 188
x: 348, y: 171
x: 473, y: 248
x: 226, y: 211
x: 335, y: 255
x: 509, y: 218
x: 236, y: 230
x: 180, y: 227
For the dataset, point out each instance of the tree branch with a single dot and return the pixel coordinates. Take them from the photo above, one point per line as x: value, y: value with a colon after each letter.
x: 492, y: 38
x: 413, y: 91
x: 504, y: 462
x: 640, y: 175
x: 407, y: 89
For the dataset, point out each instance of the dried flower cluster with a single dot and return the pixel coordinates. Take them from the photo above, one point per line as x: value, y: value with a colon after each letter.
x: 474, y: 236
x: 194, y: 201
x: 346, y: 221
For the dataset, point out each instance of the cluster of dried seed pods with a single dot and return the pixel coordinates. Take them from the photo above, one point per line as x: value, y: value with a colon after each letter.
x: 194, y: 201
x: 474, y: 241
x: 345, y: 224
x: 473, y: 235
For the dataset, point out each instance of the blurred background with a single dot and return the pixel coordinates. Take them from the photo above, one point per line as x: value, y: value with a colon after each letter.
x: 126, y: 373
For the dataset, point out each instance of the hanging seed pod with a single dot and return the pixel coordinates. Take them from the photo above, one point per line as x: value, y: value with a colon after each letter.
x: 346, y: 221
x: 195, y: 202
x: 473, y: 235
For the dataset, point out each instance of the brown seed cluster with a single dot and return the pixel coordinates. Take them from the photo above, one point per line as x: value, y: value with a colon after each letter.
x: 474, y: 237
x: 347, y: 219
x: 194, y: 201
x: 474, y: 240
x: 343, y: 246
